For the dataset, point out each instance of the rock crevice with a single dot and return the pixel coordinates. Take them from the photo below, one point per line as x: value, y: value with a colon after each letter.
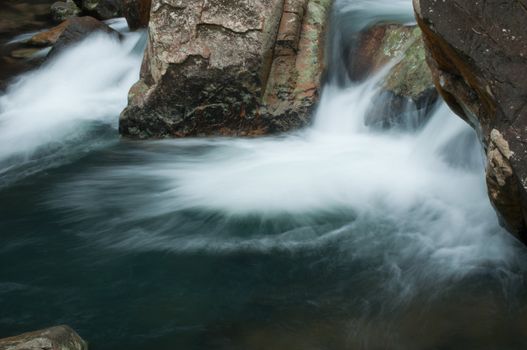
x: 227, y: 68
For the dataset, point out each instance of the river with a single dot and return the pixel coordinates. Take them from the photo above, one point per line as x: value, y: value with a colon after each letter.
x: 333, y: 237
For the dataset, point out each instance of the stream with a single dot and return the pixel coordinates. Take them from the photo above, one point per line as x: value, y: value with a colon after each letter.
x: 333, y: 237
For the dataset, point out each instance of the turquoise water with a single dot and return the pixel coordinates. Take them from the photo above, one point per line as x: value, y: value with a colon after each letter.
x: 200, y: 279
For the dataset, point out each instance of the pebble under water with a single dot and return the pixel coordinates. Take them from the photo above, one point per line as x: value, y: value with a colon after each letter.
x: 335, y: 237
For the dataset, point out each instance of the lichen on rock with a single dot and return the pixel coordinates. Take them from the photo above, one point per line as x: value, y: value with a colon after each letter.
x: 246, y: 67
x: 62, y: 10
x: 407, y: 93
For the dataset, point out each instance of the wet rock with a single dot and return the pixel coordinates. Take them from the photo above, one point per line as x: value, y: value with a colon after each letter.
x: 407, y: 94
x: 366, y: 57
x: 398, y: 112
x: 137, y: 13
x: 102, y: 9
x: 55, y: 338
x: 18, y: 17
x: 244, y: 67
x: 79, y: 28
x: 61, y: 10
x: 477, y: 52
x: 376, y: 46
x: 48, y: 37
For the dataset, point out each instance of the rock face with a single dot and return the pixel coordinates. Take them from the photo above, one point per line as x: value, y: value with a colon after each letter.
x: 407, y: 93
x: 76, y: 29
x: 478, y: 55
x: 55, y: 338
x: 137, y: 13
x: 228, y: 67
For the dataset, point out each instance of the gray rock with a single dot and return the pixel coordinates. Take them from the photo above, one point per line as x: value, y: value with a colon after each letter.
x: 61, y: 10
x: 55, y: 338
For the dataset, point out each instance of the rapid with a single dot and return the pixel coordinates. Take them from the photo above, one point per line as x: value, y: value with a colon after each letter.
x: 336, y: 236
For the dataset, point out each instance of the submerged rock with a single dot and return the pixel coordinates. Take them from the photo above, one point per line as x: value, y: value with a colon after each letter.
x: 76, y: 29
x: 229, y: 67
x: 55, y: 338
x: 24, y: 53
x: 62, y: 10
x: 478, y: 55
x: 137, y: 13
x: 407, y: 95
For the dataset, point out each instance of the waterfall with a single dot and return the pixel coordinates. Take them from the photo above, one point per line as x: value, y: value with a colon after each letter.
x: 61, y: 111
x: 429, y: 182
x: 336, y: 236
x: 427, y: 186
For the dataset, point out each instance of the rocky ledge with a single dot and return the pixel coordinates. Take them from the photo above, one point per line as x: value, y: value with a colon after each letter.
x: 228, y: 67
x: 477, y: 51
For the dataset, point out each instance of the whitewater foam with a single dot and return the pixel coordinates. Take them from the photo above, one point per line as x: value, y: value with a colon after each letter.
x: 50, y: 112
x: 402, y: 199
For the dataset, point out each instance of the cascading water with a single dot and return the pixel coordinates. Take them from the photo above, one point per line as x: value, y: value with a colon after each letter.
x: 60, y: 111
x: 333, y: 237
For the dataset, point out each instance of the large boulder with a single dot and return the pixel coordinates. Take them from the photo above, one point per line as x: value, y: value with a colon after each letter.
x: 228, y: 67
x: 407, y: 93
x: 55, y: 338
x: 137, y: 13
x: 478, y: 55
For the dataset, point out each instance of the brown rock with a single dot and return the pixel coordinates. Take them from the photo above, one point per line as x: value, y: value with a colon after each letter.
x: 137, y: 13
x: 377, y: 46
x: 76, y: 29
x: 48, y: 37
x: 244, y: 67
x: 365, y: 57
x: 55, y: 338
x: 19, y: 17
x: 478, y: 55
